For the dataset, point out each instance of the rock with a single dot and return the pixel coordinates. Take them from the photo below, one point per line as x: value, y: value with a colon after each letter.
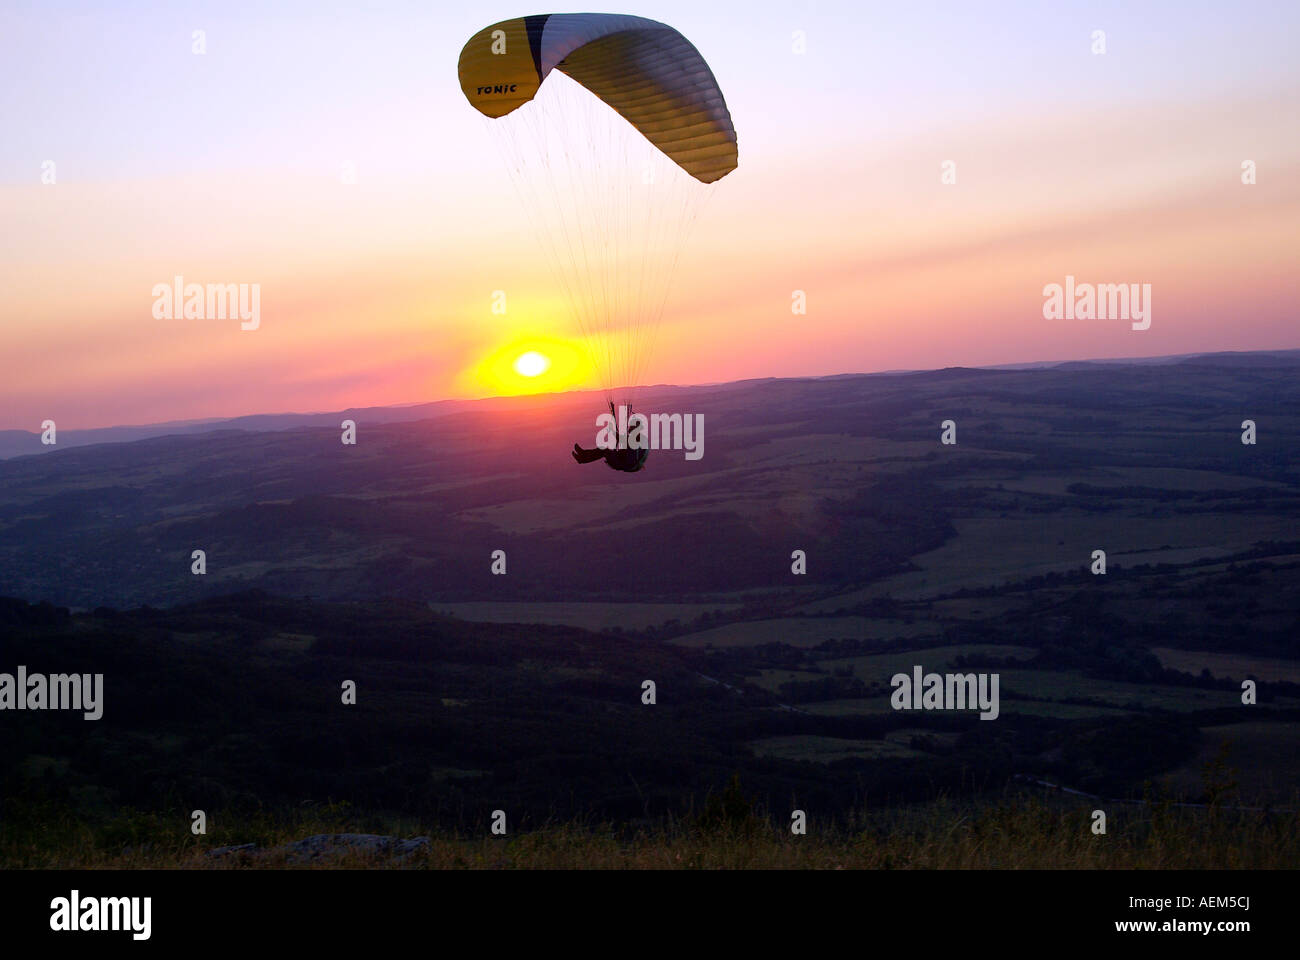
x: 326, y: 845
x: 333, y: 844
x: 237, y: 848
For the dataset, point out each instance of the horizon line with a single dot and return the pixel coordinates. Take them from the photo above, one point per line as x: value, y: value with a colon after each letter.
x: 218, y: 420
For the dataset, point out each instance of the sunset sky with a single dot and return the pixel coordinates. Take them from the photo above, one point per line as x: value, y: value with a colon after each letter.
x: 226, y: 168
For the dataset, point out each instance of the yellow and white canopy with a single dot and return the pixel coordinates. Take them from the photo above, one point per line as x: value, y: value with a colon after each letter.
x: 647, y: 71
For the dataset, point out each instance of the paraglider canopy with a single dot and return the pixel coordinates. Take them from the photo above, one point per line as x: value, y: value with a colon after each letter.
x: 647, y: 71
x: 614, y: 133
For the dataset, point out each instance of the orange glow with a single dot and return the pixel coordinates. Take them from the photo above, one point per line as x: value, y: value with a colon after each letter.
x: 531, y: 363
x: 365, y: 304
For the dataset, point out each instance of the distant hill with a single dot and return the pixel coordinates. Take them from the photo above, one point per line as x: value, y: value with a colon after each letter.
x: 1225, y: 358
x: 848, y: 469
x: 17, y: 443
x: 14, y: 443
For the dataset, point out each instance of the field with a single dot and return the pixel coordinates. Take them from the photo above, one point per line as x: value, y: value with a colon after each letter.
x: 1234, y: 666
x: 1261, y: 761
x: 528, y: 690
x: 828, y: 749
x: 587, y: 616
x: 800, y: 632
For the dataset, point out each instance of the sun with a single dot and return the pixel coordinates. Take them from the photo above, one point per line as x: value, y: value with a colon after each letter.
x: 528, y: 363
x: 532, y: 364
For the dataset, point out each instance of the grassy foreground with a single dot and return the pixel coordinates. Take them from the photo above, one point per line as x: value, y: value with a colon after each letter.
x: 1017, y: 833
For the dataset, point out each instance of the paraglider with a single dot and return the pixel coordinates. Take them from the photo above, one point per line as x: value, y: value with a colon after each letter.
x: 623, y: 456
x: 613, y: 129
